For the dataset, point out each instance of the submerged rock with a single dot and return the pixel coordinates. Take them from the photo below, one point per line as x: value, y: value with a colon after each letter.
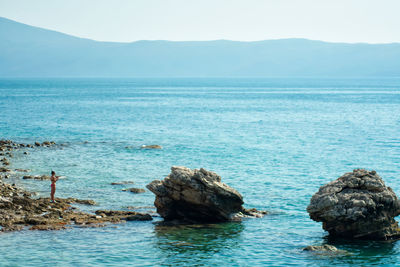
x: 72, y: 200
x: 195, y: 196
x: 139, y: 217
x: 22, y: 170
x: 48, y: 143
x: 36, y: 177
x: 5, y: 161
x: 136, y: 190
x: 151, y: 147
x: 125, y: 215
x: 2, y: 169
x: 326, y: 250
x: 122, y: 183
x: 357, y: 205
x: 248, y: 213
x: 48, y: 227
x: 321, y: 248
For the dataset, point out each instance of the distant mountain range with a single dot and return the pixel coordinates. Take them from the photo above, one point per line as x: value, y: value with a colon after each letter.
x: 27, y: 51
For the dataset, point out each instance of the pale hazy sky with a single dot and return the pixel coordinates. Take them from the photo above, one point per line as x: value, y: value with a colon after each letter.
x: 372, y: 21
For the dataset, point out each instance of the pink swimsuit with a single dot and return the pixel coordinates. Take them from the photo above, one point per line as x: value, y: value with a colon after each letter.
x: 53, y: 183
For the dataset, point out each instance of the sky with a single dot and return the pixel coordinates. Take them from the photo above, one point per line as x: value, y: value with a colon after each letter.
x: 350, y: 21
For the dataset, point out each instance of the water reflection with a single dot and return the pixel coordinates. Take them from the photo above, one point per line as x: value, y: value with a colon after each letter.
x: 196, y: 241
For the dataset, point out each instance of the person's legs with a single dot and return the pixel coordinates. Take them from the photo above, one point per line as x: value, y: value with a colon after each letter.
x: 53, y: 191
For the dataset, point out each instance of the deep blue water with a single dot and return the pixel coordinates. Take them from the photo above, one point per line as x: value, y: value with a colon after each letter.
x: 274, y: 140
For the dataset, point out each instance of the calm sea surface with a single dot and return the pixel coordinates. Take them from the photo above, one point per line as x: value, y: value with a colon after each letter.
x: 274, y: 140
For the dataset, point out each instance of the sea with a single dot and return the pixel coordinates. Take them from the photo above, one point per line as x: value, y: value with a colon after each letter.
x: 275, y: 140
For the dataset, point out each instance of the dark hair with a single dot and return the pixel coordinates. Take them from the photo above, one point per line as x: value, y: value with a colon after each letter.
x: 53, y: 172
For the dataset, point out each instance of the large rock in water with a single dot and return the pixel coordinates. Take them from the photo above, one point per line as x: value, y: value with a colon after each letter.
x: 357, y: 205
x: 195, y: 195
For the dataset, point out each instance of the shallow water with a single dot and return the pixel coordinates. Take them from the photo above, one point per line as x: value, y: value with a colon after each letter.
x: 275, y: 140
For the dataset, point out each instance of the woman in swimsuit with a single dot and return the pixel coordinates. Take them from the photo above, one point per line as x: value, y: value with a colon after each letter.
x: 53, y: 180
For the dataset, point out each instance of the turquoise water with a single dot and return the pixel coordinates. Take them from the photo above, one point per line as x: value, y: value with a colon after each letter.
x: 275, y: 140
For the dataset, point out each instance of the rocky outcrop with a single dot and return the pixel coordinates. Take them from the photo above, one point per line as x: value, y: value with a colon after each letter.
x: 357, y: 205
x: 196, y: 196
x: 18, y: 211
x: 8, y: 145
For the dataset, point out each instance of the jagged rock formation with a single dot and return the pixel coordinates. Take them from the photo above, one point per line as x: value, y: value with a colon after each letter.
x: 197, y: 196
x: 357, y: 205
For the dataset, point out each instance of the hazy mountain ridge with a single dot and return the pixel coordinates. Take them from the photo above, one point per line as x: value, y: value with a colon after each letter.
x: 27, y: 51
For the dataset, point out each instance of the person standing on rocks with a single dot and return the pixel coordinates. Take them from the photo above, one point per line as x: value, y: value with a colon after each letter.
x: 53, y: 180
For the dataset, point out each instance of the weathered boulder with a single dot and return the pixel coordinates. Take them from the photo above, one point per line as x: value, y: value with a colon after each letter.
x: 195, y: 195
x: 357, y: 205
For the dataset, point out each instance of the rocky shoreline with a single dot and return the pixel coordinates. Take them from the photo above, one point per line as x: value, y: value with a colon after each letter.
x: 357, y: 205
x: 19, y: 210
x: 205, y: 199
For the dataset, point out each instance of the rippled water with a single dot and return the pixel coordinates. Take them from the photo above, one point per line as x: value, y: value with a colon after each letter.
x: 275, y: 140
